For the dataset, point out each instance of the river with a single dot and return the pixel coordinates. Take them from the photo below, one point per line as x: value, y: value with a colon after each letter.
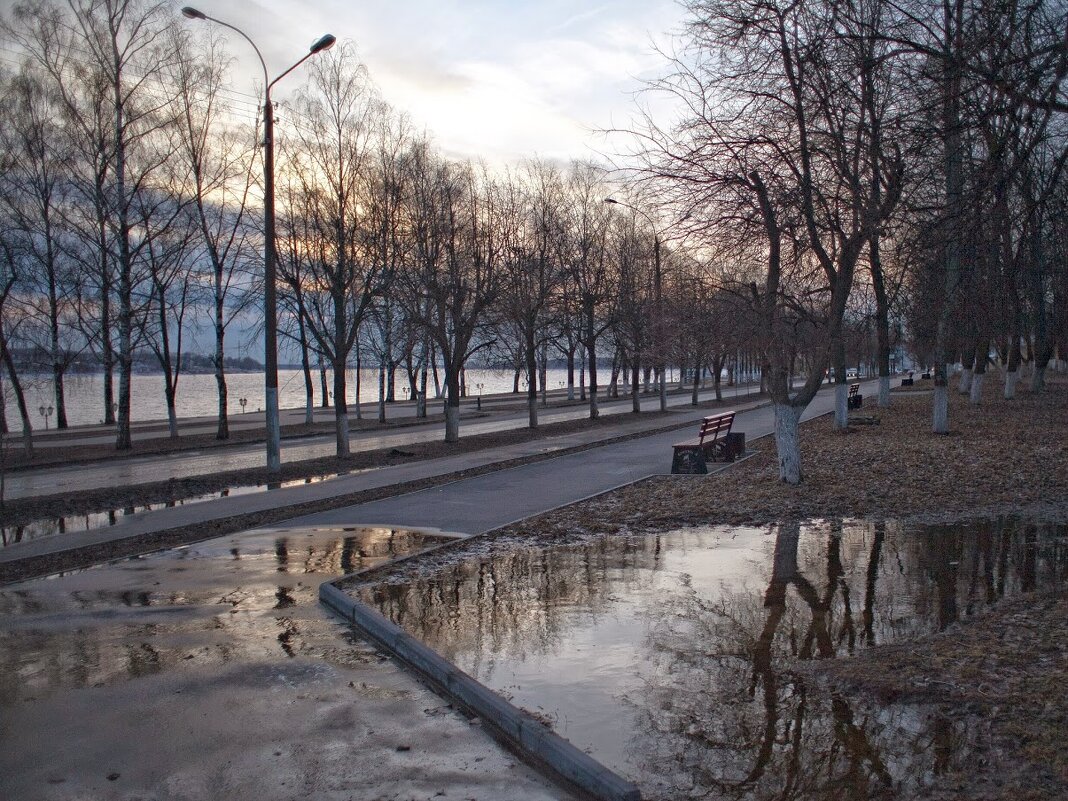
x: 197, y: 395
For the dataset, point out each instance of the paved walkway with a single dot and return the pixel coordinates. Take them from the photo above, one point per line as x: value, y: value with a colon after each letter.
x: 464, y: 507
x: 111, y: 472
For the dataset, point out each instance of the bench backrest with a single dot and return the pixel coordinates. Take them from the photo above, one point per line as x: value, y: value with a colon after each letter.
x: 853, y: 390
x: 713, y: 427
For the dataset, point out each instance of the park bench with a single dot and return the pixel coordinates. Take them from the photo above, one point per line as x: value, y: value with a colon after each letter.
x: 714, y: 441
x: 907, y: 382
x: 855, y: 399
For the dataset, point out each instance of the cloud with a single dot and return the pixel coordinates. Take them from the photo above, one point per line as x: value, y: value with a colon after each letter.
x: 488, y: 78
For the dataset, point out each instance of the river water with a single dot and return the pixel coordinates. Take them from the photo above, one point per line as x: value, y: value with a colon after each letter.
x: 197, y: 394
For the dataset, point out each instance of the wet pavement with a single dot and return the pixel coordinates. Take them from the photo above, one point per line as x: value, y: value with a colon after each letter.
x: 668, y: 656
x: 212, y: 672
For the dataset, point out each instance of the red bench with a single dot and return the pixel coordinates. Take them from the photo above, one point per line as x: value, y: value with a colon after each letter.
x: 714, y: 441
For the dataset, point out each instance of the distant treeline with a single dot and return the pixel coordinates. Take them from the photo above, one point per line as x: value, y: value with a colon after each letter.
x: 39, y: 360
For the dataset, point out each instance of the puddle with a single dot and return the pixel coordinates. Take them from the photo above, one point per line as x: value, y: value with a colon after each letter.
x: 51, y: 526
x: 240, y: 599
x: 667, y: 656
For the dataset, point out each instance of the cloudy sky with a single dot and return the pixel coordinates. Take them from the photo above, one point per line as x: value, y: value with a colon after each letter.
x: 497, y: 79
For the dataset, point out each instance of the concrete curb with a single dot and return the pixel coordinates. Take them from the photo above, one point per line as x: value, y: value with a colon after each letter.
x: 518, y: 730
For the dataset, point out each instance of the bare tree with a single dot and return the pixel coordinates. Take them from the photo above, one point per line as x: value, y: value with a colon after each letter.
x: 457, y: 269
x: 34, y: 189
x: 333, y: 162
x: 220, y: 159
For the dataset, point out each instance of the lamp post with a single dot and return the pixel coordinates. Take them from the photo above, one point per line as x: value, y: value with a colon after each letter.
x: 270, y: 294
x: 46, y: 412
x: 479, y: 386
x: 244, y: 403
x: 658, y: 297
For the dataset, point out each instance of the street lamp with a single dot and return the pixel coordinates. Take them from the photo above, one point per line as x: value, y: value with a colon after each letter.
x: 658, y: 297
x: 479, y: 406
x: 46, y: 412
x: 270, y: 296
x: 244, y: 403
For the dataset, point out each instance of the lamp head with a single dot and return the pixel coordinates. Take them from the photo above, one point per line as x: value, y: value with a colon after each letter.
x: 191, y: 13
x: 611, y: 200
x: 324, y: 43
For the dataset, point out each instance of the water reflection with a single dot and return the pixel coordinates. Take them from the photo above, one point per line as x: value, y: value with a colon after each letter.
x: 669, y: 656
x: 51, y: 526
x: 245, y: 597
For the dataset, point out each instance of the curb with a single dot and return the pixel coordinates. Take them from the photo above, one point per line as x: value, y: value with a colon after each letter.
x: 517, y: 729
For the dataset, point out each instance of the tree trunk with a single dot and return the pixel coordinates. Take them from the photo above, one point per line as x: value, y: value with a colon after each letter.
x: 543, y: 374
x: 841, y: 390
x: 1012, y: 371
x: 382, y: 389
x: 420, y: 403
x: 530, y: 357
x: 787, y: 442
x: 359, y: 380
x: 979, y: 372
x: 172, y: 411
x: 305, y: 368
x: 20, y: 397
x: 341, y: 410
x: 635, y: 377
x: 571, y: 374
x: 452, y: 403
x: 222, y: 431
x: 322, y: 383
x: 940, y: 423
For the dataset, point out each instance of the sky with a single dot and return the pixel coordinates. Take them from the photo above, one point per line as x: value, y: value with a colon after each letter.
x: 486, y: 78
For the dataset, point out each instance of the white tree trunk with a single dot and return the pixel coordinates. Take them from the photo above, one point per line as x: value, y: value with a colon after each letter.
x: 884, y: 392
x: 976, y: 394
x: 1038, y: 378
x: 787, y: 444
x: 965, y: 385
x: 941, y: 410
x: 1011, y: 379
x: 452, y: 423
x: 841, y: 407
x: 532, y: 412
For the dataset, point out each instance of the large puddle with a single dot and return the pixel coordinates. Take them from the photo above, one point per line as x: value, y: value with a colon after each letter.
x: 68, y: 524
x: 231, y: 600
x: 668, y: 656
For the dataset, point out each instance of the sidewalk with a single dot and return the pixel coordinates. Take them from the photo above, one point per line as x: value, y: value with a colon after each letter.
x: 250, y: 455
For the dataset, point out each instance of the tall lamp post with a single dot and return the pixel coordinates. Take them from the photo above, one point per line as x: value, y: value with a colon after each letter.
x: 270, y: 293
x: 658, y: 299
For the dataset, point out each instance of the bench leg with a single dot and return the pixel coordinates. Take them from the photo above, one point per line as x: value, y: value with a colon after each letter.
x: 688, y: 461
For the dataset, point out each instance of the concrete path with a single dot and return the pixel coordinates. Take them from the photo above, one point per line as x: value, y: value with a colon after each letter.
x: 486, y: 502
x: 219, y: 508
x: 148, y: 469
x: 465, y: 507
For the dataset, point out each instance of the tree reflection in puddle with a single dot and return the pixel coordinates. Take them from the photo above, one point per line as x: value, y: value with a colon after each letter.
x: 671, y: 657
